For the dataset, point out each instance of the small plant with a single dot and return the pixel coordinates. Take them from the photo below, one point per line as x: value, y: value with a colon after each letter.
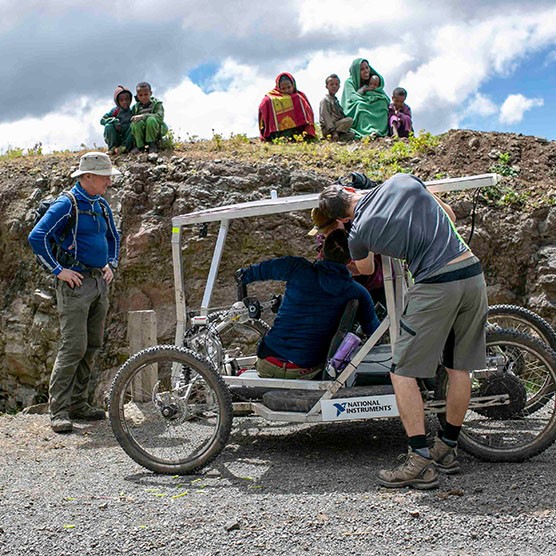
x: 36, y: 150
x: 424, y: 142
x: 13, y: 152
x: 503, y: 166
x: 217, y: 138
x: 504, y: 195
x: 239, y: 139
x: 280, y: 140
x: 170, y: 140
x: 400, y: 150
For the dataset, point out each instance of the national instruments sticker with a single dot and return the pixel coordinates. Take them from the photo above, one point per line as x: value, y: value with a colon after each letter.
x: 370, y: 407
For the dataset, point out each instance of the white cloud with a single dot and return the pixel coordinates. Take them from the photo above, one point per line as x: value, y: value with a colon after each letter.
x: 73, y: 126
x: 481, y: 105
x: 515, y: 106
x: 442, y: 56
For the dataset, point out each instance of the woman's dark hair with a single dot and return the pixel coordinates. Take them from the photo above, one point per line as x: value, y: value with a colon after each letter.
x: 335, y: 248
x: 284, y: 78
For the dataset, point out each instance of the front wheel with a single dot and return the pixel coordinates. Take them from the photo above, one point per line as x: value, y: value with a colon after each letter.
x: 170, y: 410
x: 516, y: 429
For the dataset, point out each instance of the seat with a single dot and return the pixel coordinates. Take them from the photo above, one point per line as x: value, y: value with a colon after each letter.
x: 347, y: 323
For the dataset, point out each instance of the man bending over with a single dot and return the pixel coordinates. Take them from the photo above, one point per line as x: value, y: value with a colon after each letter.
x: 446, y: 307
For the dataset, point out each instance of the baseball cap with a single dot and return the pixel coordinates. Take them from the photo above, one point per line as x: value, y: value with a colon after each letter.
x: 95, y: 163
x: 320, y: 221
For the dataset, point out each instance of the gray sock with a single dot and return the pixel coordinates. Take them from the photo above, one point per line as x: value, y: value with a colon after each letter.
x: 423, y: 452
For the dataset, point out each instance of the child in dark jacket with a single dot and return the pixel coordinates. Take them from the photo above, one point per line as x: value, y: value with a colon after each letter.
x: 147, y: 120
x: 117, y: 122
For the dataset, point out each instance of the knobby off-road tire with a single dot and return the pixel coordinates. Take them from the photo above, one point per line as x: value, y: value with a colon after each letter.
x: 170, y: 410
x: 524, y: 321
x: 527, y: 322
x: 514, y: 432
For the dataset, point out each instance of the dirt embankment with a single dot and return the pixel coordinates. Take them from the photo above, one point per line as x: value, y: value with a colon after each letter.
x: 515, y: 229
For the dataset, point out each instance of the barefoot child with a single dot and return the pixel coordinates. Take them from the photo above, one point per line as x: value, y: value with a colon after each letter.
x: 399, y: 114
x: 333, y: 122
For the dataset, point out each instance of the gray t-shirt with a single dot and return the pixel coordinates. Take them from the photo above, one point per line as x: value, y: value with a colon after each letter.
x: 401, y: 219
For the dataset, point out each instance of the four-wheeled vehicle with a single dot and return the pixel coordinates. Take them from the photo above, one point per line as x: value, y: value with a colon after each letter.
x: 172, y: 406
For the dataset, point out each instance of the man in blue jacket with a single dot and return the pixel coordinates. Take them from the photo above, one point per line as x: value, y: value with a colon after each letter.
x: 315, y: 297
x: 84, y: 267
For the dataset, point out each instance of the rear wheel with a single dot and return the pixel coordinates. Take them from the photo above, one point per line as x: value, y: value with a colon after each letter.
x: 170, y: 410
x: 523, y: 370
x: 523, y: 320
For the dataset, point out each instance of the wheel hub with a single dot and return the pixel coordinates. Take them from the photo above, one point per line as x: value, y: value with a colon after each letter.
x: 504, y: 383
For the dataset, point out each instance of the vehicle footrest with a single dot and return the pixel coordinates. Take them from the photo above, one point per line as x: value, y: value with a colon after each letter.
x: 301, y: 401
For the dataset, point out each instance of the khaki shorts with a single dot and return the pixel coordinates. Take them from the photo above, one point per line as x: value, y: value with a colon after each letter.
x: 438, y: 315
x: 266, y: 369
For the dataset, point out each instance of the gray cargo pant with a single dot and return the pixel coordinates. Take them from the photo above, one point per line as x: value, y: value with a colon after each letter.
x: 82, y: 311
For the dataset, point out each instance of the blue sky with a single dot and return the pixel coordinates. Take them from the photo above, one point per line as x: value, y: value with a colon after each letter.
x: 480, y: 64
x: 534, y: 78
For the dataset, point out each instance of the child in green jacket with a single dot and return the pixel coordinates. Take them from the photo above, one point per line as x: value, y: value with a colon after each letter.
x: 117, y: 122
x: 147, y: 120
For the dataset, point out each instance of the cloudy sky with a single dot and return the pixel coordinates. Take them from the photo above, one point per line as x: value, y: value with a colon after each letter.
x: 480, y: 64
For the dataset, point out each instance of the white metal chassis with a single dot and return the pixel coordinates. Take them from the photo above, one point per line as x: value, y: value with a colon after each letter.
x: 394, y: 299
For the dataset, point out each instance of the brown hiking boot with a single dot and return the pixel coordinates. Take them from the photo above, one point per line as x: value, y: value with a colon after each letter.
x: 416, y: 472
x: 61, y: 423
x: 445, y: 457
x: 87, y: 413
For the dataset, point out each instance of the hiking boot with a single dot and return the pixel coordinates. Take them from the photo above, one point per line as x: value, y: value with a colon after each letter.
x: 416, y: 472
x: 153, y: 148
x: 61, y: 423
x: 445, y: 457
x: 135, y: 150
x: 87, y: 413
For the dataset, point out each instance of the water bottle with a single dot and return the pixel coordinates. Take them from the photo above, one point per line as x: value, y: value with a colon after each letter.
x: 343, y: 354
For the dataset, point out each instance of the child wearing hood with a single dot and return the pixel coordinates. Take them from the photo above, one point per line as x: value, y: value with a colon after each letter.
x: 117, y: 122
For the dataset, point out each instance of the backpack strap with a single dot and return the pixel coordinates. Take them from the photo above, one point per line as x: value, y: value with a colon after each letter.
x: 72, y: 220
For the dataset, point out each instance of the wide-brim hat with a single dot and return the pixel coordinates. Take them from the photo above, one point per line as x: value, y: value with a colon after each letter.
x: 95, y: 163
x: 320, y: 221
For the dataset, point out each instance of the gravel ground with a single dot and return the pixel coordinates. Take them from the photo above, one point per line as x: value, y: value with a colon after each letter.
x: 304, y: 489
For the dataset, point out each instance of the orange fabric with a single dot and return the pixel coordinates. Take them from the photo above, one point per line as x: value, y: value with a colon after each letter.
x: 279, y: 112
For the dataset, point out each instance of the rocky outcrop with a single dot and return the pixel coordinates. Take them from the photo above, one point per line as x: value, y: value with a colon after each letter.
x: 516, y: 243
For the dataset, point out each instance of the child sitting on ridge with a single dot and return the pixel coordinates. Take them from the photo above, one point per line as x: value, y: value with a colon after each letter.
x: 333, y: 122
x: 117, y: 123
x: 147, y: 121
x: 399, y: 114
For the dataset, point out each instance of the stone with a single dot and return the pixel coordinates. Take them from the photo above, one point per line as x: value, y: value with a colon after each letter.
x: 474, y: 143
x: 232, y: 525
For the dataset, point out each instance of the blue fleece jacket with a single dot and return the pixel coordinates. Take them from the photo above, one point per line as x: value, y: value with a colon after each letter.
x: 315, y: 298
x: 96, y: 241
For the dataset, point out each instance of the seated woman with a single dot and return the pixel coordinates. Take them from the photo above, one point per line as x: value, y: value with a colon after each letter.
x: 364, y: 100
x: 285, y: 111
x: 316, y: 294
